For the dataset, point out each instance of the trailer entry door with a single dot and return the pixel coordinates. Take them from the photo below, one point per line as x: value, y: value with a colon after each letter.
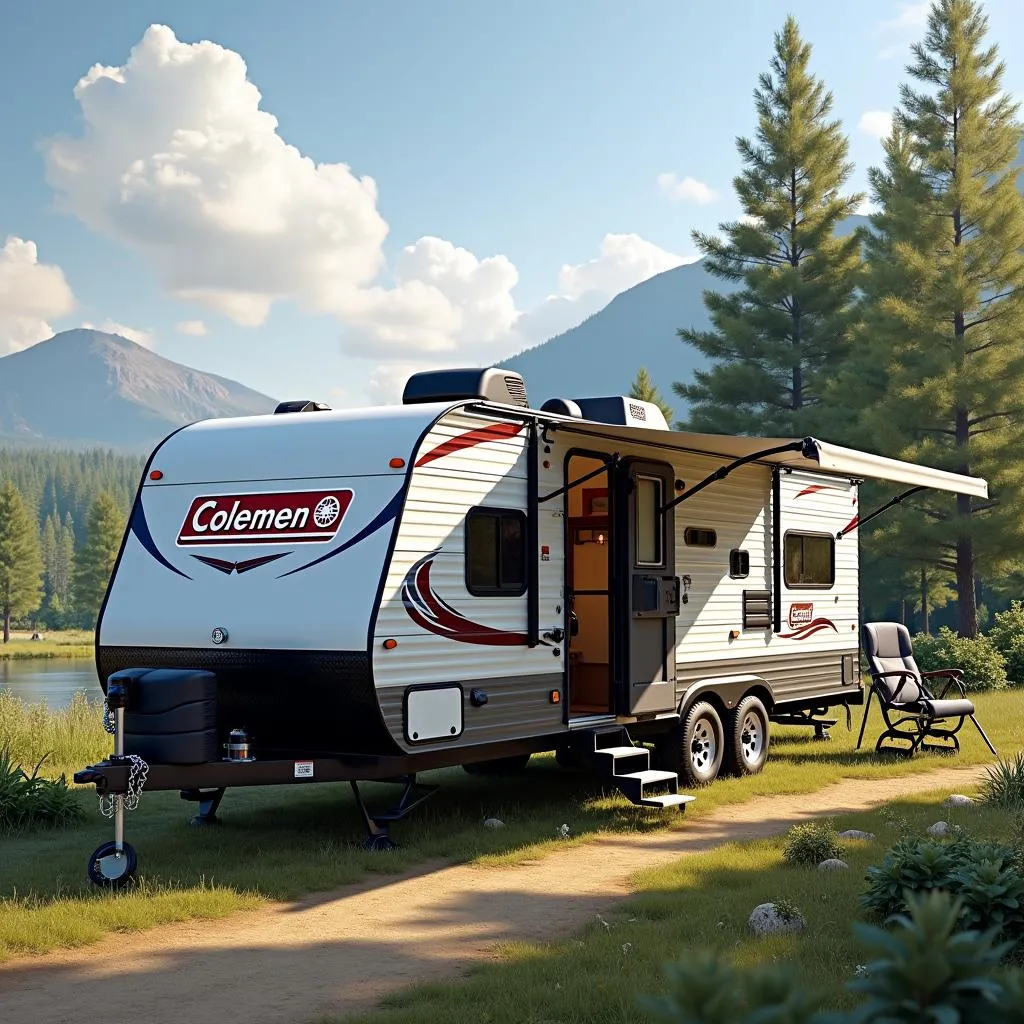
x: 648, y: 590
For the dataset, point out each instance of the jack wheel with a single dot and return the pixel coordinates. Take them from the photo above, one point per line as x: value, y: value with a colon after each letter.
x: 112, y: 868
x: 380, y: 843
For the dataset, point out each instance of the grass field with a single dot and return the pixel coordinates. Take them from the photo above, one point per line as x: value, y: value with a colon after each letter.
x: 696, y: 904
x: 71, y: 643
x: 282, y: 842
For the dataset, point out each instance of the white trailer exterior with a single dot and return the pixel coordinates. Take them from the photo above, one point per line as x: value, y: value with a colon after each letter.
x: 464, y: 580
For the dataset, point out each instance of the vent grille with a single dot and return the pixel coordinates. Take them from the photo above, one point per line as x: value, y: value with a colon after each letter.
x: 757, y: 609
x: 517, y: 390
x: 638, y: 412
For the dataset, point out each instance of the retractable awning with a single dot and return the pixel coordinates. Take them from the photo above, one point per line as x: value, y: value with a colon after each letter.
x: 798, y: 453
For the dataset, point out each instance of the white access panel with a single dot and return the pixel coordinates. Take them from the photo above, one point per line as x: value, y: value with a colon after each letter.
x: 433, y: 714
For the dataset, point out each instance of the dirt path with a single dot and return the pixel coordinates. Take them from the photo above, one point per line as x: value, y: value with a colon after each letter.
x: 340, y: 952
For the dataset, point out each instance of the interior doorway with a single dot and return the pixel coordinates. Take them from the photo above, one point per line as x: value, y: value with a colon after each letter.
x: 588, y: 541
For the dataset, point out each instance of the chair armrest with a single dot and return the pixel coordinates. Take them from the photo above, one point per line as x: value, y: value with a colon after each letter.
x: 952, y: 672
x: 955, y: 677
x: 905, y: 672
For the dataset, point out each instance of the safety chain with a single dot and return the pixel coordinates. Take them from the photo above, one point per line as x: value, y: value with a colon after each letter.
x: 136, y: 775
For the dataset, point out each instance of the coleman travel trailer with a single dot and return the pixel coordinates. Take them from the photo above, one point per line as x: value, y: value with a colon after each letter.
x: 321, y: 596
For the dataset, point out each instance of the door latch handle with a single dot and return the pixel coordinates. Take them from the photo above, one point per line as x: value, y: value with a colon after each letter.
x: 555, y: 635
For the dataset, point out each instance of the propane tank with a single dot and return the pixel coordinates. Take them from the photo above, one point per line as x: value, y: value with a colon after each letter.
x: 238, y: 746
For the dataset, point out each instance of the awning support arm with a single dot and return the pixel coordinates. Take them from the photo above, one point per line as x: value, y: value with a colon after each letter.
x: 806, y: 447
x: 603, y: 468
x: 878, y: 511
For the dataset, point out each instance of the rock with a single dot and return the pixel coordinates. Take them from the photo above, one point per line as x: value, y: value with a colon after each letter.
x: 855, y: 833
x: 766, y: 920
x: 833, y: 864
x: 493, y: 823
x: 939, y: 829
x: 958, y: 800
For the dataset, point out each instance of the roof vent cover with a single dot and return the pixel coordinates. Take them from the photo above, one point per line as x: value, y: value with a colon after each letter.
x: 629, y: 412
x: 503, y: 387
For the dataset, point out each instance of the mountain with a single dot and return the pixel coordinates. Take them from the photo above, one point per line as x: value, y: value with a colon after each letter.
x: 90, y: 388
x: 637, y: 328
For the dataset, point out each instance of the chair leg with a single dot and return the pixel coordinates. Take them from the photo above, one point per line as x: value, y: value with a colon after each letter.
x: 864, y: 720
x: 988, y: 742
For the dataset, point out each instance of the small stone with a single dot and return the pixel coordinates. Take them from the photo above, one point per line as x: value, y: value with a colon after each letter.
x: 939, y: 829
x: 766, y: 920
x: 855, y: 833
x: 958, y: 800
x: 833, y: 864
x: 493, y: 823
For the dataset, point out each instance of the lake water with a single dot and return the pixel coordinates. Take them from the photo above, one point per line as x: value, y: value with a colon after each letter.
x: 51, y: 679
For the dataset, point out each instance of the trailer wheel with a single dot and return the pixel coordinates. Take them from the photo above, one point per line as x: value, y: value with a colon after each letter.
x: 703, y: 745
x: 498, y: 766
x: 112, y: 868
x: 748, y: 737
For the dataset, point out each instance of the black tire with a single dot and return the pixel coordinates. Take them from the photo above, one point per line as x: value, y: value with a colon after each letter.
x: 749, y: 736
x: 110, y: 871
x: 498, y: 766
x: 703, y: 745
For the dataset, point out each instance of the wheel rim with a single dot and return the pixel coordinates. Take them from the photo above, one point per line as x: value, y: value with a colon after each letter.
x: 703, y: 746
x: 751, y: 738
x: 113, y: 866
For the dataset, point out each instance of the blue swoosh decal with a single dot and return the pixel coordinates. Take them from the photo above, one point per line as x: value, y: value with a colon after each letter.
x: 385, y: 516
x: 140, y: 528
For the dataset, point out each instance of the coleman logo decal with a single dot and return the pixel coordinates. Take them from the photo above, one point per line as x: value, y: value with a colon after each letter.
x: 800, y: 614
x: 285, y: 518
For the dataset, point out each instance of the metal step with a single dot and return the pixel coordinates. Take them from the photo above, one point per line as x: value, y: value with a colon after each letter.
x: 666, y: 800
x: 649, y: 777
x: 614, y: 752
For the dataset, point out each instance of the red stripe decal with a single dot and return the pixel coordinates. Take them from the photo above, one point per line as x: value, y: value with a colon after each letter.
x: 813, y: 489
x: 494, y: 432
x: 851, y: 524
x: 809, y: 629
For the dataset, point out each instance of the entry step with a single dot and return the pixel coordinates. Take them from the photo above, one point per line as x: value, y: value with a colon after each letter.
x: 650, y: 777
x: 622, y: 751
x: 666, y: 800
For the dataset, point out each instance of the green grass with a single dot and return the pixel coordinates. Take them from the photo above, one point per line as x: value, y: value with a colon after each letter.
x: 283, y: 842
x: 70, y: 643
x: 696, y: 904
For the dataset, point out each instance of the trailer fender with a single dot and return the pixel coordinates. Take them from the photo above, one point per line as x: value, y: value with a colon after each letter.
x: 727, y: 691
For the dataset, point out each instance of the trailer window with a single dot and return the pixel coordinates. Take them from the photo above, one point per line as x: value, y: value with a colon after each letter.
x: 495, y: 552
x: 648, y: 520
x: 700, y: 537
x: 739, y: 564
x: 810, y: 560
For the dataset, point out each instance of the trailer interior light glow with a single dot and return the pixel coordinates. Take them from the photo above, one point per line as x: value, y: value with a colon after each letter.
x: 156, y: 475
x: 390, y: 645
x: 556, y: 697
x: 396, y: 463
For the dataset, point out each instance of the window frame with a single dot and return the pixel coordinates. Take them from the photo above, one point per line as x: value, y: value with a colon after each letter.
x: 688, y: 530
x: 785, y: 562
x: 499, y: 513
x: 743, y: 554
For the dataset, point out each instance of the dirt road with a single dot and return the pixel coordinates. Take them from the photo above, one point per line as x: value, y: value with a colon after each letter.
x: 341, y: 951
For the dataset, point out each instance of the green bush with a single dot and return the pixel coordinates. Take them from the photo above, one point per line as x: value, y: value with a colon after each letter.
x: 1007, y: 633
x: 1003, y: 785
x: 810, y: 843
x: 925, y: 971
x: 983, y: 666
x: 30, y: 801
x: 985, y: 876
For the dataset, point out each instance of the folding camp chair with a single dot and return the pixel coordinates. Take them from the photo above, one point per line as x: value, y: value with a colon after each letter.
x: 902, y: 691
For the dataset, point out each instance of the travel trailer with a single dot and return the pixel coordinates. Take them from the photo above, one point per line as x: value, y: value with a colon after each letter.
x: 317, y: 596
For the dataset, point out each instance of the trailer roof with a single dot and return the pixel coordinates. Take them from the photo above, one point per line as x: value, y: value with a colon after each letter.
x: 805, y: 453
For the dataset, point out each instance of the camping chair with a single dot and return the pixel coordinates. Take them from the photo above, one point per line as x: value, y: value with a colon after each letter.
x: 902, y: 690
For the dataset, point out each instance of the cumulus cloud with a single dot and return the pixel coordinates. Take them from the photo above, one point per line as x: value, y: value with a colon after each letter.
x: 910, y: 22
x: 147, y: 339
x: 195, y: 328
x: 685, y: 190
x: 31, y: 293
x: 877, y: 123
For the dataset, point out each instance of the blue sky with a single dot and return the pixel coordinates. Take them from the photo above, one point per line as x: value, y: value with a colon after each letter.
x: 548, y: 140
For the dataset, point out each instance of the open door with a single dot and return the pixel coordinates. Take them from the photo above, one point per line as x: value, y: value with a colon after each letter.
x: 649, y: 591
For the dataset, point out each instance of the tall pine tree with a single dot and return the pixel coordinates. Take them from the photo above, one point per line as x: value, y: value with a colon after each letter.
x: 940, y: 360
x: 21, y: 566
x: 784, y: 331
x: 94, y: 560
x: 645, y: 390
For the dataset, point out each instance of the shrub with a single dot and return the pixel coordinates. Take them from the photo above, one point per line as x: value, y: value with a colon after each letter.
x: 983, y: 666
x: 1007, y: 634
x: 29, y: 801
x: 1003, y: 785
x: 985, y: 876
x: 810, y: 843
x: 924, y: 970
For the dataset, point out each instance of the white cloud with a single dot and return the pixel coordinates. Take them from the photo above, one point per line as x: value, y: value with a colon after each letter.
x: 750, y: 218
x: 910, y: 22
x: 147, y: 339
x: 877, y: 123
x: 625, y: 260
x: 31, y: 293
x: 866, y: 208
x: 685, y: 190
x: 196, y: 328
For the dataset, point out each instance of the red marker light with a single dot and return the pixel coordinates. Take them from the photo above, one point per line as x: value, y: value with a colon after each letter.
x: 390, y: 645
x: 156, y: 475
x: 396, y: 463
